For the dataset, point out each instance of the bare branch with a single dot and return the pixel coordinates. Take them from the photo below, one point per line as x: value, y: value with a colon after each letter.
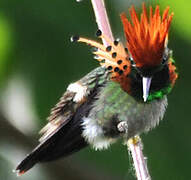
x: 102, y: 19
x: 134, y: 144
x: 135, y: 147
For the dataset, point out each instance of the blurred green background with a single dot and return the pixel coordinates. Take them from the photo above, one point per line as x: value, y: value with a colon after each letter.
x: 38, y: 61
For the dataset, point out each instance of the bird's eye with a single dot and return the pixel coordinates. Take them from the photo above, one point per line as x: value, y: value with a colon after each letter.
x: 164, y: 60
x: 166, y: 56
x: 132, y: 61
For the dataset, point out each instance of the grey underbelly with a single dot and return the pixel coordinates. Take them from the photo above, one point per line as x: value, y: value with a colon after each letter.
x: 145, y: 116
x: 113, y: 106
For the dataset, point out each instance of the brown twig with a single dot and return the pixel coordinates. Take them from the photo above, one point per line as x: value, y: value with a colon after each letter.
x: 134, y: 144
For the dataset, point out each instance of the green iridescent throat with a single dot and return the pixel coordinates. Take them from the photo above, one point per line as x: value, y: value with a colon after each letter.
x: 159, y: 94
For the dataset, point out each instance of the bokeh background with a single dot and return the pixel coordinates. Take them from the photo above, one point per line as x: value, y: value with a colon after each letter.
x: 38, y: 61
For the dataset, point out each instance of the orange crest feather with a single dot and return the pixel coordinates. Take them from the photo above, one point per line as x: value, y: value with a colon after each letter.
x: 113, y: 57
x: 147, y: 37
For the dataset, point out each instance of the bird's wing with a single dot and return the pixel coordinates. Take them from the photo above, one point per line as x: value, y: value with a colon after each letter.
x: 62, y: 135
x: 76, y: 94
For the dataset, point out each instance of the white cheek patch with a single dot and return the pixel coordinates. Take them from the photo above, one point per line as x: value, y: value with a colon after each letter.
x: 79, y: 90
x: 93, y: 133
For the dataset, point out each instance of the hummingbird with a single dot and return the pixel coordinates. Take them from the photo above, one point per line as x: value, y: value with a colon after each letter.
x: 123, y: 97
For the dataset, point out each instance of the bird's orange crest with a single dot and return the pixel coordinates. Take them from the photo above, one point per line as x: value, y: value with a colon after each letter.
x: 147, y: 37
x: 113, y: 57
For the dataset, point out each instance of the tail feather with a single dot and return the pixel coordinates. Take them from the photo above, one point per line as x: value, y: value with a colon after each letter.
x: 64, y: 142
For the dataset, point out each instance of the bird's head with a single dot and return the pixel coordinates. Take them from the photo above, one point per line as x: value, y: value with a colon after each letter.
x: 152, y: 68
x: 144, y: 68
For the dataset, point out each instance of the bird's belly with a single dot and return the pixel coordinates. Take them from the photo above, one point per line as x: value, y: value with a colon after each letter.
x: 114, y: 105
x: 141, y: 117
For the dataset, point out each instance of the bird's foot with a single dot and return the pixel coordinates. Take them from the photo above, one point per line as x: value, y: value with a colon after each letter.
x: 135, y: 140
x: 123, y: 127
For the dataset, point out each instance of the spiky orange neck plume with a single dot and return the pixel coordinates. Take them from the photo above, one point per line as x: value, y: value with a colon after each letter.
x: 147, y: 37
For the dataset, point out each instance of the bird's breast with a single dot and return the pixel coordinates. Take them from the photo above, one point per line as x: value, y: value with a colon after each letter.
x: 113, y: 106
